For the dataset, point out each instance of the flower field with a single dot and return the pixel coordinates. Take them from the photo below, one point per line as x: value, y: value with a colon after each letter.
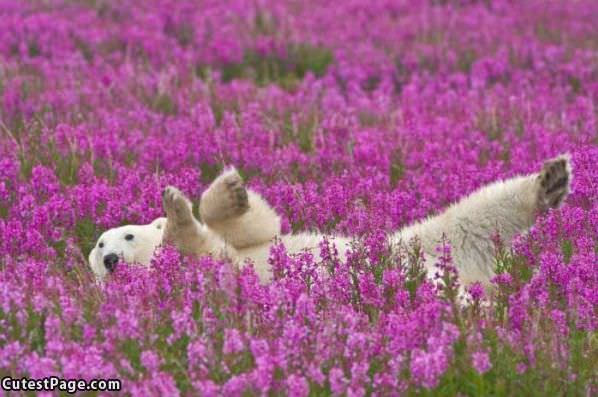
x: 350, y: 117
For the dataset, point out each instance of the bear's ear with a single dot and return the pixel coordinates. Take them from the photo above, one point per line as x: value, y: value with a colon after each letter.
x: 159, y: 223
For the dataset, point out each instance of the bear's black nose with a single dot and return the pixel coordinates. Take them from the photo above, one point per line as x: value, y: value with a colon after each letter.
x: 110, y: 262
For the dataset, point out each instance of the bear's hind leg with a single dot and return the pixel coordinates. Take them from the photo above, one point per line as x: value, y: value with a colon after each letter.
x: 553, y: 180
x: 240, y: 216
x: 225, y: 198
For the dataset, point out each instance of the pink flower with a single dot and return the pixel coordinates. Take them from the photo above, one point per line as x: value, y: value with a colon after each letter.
x: 476, y: 291
x: 233, y: 343
x: 151, y: 361
x: 297, y: 386
x: 427, y: 367
x: 521, y: 368
x: 338, y: 382
x: 481, y: 362
x: 103, y: 105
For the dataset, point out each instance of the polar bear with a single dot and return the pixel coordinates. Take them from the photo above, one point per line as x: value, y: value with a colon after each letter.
x: 130, y: 243
x: 237, y: 223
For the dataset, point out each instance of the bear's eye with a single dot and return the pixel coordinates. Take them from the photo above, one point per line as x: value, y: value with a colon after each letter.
x: 101, y: 245
x: 129, y: 237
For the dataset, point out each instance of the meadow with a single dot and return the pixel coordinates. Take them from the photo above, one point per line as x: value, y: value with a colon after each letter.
x: 350, y: 117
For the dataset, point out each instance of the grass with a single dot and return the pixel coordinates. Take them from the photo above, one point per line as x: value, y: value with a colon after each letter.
x: 285, y: 70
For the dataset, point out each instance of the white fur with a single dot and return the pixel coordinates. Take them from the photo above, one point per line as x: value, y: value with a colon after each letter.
x: 146, y: 238
x: 505, y: 207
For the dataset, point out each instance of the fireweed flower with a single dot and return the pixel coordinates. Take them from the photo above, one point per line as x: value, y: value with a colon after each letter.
x: 103, y: 105
x: 476, y: 291
x: 233, y: 342
x: 427, y: 367
x: 297, y: 386
x: 481, y: 362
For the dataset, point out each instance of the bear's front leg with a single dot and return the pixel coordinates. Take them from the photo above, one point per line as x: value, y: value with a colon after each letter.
x: 185, y: 232
x: 181, y: 227
x: 178, y: 207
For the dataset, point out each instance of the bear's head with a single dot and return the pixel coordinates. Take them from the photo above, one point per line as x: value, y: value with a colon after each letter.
x: 129, y: 243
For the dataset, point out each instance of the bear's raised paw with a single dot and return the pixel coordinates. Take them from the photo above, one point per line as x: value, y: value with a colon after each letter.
x: 177, y: 207
x: 554, y: 181
x: 225, y: 198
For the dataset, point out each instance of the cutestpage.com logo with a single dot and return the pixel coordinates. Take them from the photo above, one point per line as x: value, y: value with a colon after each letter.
x: 54, y: 383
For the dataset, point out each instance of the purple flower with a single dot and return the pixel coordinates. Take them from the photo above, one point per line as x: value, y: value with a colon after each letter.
x: 427, y: 367
x: 476, y: 290
x: 103, y: 105
x: 338, y: 382
x: 481, y: 362
x: 297, y: 386
x: 151, y: 361
x: 233, y: 342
